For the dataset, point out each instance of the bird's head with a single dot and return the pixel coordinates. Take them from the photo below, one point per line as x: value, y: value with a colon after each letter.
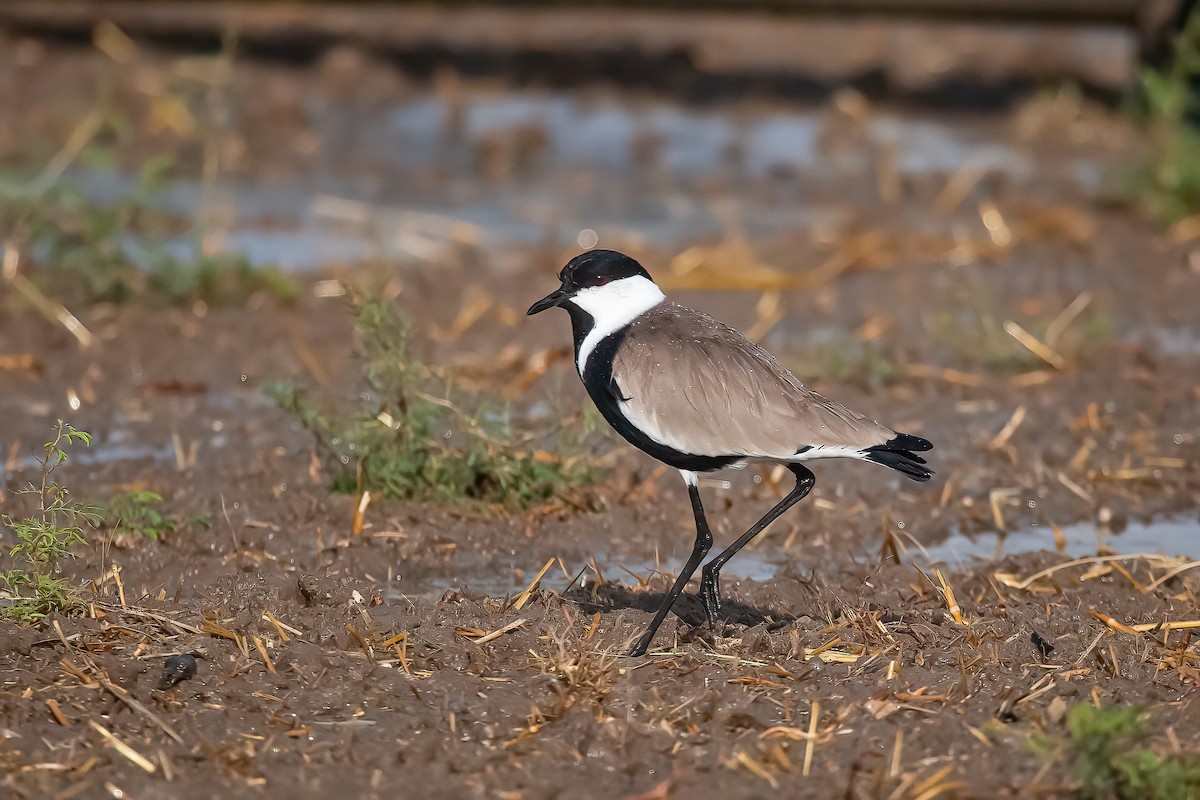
x: 602, y: 282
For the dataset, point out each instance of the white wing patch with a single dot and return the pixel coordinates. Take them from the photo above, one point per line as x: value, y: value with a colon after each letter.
x: 829, y: 451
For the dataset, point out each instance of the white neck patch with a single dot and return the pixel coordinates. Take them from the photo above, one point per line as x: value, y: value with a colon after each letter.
x: 612, y: 307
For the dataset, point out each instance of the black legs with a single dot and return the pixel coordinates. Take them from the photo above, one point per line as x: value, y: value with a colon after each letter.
x: 699, y: 551
x: 710, y: 592
x: 710, y: 582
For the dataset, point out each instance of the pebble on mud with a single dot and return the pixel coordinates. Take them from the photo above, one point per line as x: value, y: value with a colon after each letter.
x: 177, y: 668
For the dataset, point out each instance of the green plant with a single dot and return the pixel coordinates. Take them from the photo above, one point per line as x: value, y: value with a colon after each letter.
x: 45, y: 538
x: 1111, y: 762
x: 975, y: 332
x: 1167, y: 183
x: 125, y: 249
x: 137, y: 511
x: 845, y: 360
x: 408, y: 438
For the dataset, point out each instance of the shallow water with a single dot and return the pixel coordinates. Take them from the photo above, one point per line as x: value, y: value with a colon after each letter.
x: 1173, y: 536
x: 1169, y: 536
x: 500, y: 577
x: 625, y: 168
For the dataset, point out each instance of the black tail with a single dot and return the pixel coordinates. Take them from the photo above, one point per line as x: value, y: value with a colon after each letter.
x: 898, y: 454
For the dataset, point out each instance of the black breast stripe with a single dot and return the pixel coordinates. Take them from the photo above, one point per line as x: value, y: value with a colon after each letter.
x: 606, y: 394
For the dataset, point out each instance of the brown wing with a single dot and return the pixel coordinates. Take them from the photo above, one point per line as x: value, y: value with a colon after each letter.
x: 701, y: 387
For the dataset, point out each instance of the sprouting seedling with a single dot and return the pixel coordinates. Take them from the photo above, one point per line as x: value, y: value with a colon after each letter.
x: 46, y: 537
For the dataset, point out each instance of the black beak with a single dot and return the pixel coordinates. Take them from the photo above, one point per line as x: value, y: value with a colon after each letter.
x: 555, y: 298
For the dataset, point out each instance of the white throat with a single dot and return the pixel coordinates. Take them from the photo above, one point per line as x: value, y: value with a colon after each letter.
x: 612, y: 307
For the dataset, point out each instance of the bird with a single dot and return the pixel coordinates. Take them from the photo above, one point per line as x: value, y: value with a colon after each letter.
x: 699, y: 396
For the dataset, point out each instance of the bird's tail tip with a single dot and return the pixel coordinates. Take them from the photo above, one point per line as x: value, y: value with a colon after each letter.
x: 900, y: 453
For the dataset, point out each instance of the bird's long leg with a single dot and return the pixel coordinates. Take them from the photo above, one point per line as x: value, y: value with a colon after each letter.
x: 699, y: 551
x: 710, y: 582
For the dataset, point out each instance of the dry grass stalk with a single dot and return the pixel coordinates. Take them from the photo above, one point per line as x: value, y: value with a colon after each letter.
x: 936, y: 785
x: 1011, y: 580
x: 897, y: 751
x: 156, y: 617
x: 755, y: 768
x: 948, y: 594
x: 1000, y: 440
x: 367, y: 649
x: 955, y: 376
x: 813, y: 714
x: 122, y: 694
x: 1148, y: 627
x: 1075, y: 488
x: 360, y: 511
x: 472, y: 311
x: 68, y: 667
x: 262, y: 651
x: 53, y: 311
x: 1067, y: 316
x: 996, y: 499
x: 59, y: 717
x: 993, y: 220
x: 768, y: 312
x: 23, y: 361
x: 1171, y: 574
x: 1166, y: 462
x: 1060, y: 541
x: 280, y: 628
x: 124, y: 749
x: 754, y: 680
x: 591, y: 630
x: 79, y: 139
x: 1033, y: 345
x: 116, y: 573
x: 1116, y: 565
x: 496, y: 634
x: 1116, y: 625
x: 523, y: 598
x: 959, y: 185
x: 399, y: 643
x: 1027, y: 380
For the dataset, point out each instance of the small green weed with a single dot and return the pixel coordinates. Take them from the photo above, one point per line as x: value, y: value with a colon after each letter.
x: 124, y: 250
x: 845, y: 360
x: 138, y: 511
x: 1167, y: 184
x: 975, y: 333
x: 1111, y: 762
x: 44, y: 539
x: 409, y: 440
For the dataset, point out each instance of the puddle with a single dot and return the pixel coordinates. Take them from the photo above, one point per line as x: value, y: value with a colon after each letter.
x: 627, y: 169
x: 1170, y: 340
x: 569, y: 131
x: 106, y: 454
x: 1174, y: 536
x: 497, y: 580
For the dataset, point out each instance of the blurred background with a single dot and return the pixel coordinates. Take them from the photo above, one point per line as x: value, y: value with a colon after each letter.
x: 648, y: 124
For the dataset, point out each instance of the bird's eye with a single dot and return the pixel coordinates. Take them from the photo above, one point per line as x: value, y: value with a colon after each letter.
x: 603, y: 279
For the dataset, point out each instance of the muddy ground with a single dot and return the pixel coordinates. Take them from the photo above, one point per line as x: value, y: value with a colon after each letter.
x: 397, y: 662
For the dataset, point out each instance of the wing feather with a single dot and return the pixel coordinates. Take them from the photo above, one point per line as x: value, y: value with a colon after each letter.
x: 699, y: 386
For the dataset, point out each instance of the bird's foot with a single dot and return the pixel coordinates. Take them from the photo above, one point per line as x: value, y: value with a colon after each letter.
x: 710, y: 594
x: 643, y: 644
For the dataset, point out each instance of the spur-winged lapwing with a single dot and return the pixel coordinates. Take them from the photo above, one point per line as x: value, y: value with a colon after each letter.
x: 699, y: 396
